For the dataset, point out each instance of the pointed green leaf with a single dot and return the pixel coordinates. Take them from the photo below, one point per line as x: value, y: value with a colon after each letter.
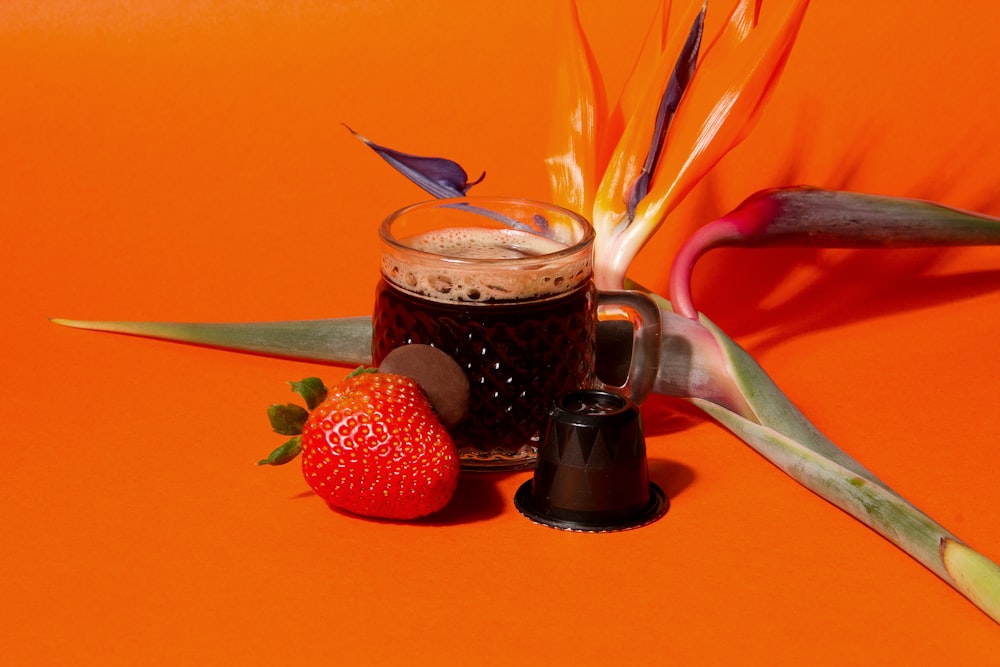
x: 287, y: 419
x: 344, y: 341
x: 284, y: 453
x: 312, y: 390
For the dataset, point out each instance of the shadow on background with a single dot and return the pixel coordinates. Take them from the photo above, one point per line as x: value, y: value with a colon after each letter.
x: 744, y: 292
x: 782, y: 293
x: 477, y: 498
x: 663, y: 415
x: 671, y: 476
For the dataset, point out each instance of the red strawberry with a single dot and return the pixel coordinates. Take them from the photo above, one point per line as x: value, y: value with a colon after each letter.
x: 373, y: 446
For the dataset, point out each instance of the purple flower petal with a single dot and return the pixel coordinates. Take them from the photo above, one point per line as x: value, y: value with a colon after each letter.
x: 439, y: 176
x: 679, y: 79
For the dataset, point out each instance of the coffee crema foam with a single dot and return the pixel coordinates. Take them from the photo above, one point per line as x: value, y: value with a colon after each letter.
x: 462, y: 283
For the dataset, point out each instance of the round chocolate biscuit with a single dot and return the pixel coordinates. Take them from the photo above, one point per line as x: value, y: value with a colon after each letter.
x: 440, y: 376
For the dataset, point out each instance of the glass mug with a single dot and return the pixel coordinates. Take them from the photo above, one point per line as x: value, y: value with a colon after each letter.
x: 504, y: 286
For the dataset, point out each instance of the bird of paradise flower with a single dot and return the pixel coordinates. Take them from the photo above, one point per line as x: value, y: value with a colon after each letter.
x: 683, y: 108
x: 681, y: 111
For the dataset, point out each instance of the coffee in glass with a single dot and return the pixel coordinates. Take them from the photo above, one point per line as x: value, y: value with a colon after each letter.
x: 505, y: 287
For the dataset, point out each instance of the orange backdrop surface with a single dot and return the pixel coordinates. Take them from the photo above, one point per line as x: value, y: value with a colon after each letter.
x: 187, y: 161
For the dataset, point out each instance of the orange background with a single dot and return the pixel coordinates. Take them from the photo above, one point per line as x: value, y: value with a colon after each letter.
x: 186, y: 160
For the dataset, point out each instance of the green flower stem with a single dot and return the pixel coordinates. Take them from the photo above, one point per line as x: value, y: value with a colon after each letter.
x: 974, y: 575
x: 345, y: 341
x: 782, y: 435
x: 873, y: 504
x: 692, y: 363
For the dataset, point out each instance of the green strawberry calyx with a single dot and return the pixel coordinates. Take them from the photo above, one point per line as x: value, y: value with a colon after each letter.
x: 290, y: 418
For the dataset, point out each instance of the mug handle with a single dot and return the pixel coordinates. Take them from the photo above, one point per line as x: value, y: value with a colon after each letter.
x: 641, y: 342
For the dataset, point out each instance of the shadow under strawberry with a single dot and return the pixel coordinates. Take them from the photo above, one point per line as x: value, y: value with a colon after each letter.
x: 478, y: 497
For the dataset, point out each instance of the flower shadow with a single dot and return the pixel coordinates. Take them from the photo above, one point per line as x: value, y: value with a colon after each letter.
x: 665, y: 415
x: 831, y: 289
x: 770, y: 295
x: 672, y: 477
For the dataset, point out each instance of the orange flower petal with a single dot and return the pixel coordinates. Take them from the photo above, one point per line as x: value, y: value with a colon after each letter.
x: 630, y: 153
x: 723, y: 100
x: 577, y: 113
x: 613, y: 252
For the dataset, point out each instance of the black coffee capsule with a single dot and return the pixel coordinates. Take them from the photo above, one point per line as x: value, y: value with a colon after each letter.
x: 591, y: 474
